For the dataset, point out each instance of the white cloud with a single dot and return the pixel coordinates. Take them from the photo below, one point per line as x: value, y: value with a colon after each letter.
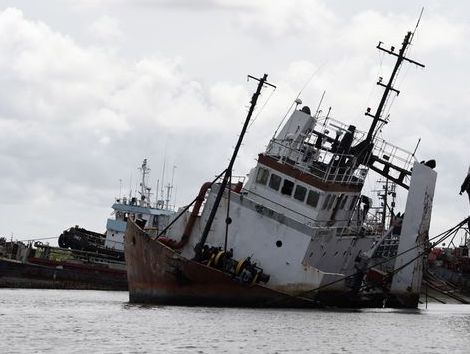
x: 293, y: 18
x: 76, y: 118
x: 106, y: 28
x: 71, y: 112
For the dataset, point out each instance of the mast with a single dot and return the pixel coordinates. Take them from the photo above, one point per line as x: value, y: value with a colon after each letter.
x: 156, y: 193
x: 144, y: 190
x: 385, y: 201
x: 363, y: 151
x: 162, y: 195
x: 169, y: 189
x: 228, y: 172
x: 377, y: 117
x: 384, y: 194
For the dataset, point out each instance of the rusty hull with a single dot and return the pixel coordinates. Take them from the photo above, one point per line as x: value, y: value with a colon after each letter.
x: 159, y: 275
x: 44, y: 274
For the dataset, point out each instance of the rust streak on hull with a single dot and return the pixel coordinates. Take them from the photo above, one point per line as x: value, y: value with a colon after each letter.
x: 159, y: 275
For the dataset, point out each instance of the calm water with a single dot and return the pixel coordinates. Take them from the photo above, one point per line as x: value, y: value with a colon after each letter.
x: 58, y: 321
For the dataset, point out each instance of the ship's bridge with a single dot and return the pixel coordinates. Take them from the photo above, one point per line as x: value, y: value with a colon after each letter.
x: 314, y: 170
x: 306, y: 144
x: 326, y: 149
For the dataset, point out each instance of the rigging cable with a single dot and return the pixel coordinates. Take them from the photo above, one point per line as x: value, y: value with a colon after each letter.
x: 373, y: 87
x: 186, y: 208
x: 262, y: 107
x: 404, y: 76
x: 444, y: 235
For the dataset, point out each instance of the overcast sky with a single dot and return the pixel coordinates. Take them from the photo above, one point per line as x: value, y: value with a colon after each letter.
x: 90, y: 88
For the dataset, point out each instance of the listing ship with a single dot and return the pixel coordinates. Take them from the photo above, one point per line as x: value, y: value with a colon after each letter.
x: 84, y: 259
x: 297, y: 234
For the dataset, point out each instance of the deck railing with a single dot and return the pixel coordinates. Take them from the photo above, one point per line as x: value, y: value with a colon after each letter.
x: 322, y: 164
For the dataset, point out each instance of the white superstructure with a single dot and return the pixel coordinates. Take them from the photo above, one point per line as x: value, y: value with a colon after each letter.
x: 301, y: 223
x: 155, y: 214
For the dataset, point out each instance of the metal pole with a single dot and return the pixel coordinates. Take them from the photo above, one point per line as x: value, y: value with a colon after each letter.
x: 228, y: 172
x: 228, y: 220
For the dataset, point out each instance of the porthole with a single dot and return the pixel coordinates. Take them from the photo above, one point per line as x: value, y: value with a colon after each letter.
x: 279, y: 243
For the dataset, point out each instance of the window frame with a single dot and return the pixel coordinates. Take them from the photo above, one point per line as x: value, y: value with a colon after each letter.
x: 332, y: 201
x: 284, y: 188
x: 261, y: 174
x: 272, y: 177
x: 316, y: 198
x: 305, y: 190
x: 326, y: 201
x: 342, y: 205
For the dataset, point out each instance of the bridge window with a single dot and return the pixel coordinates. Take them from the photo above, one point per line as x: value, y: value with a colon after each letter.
x: 275, y: 182
x: 287, y: 187
x: 300, y: 193
x: 312, y: 198
x: 326, y: 202
x: 332, y: 200
x: 343, y: 202
x: 262, y: 176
